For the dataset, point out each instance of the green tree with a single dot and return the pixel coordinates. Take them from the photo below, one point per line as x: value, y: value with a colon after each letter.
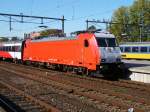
x: 14, y: 38
x: 120, y: 16
x: 92, y: 28
x: 139, y: 17
x: 134, y: 21
x: 4, y: 39
x: 51, y: 32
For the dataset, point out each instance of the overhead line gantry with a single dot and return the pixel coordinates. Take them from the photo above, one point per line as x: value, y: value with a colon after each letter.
x: 27, y: 16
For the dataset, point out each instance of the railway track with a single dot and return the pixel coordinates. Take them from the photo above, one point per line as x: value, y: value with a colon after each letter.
x: 90, y: 91
x: 15, y: 100
x: 121, y: 83
x: 82, y: 103
x: 50, y: 94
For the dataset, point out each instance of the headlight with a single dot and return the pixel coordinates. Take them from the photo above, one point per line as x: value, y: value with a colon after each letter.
x: 103, y: 60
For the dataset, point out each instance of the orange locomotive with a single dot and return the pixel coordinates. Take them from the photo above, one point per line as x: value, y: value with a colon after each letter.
x: 79, y: 53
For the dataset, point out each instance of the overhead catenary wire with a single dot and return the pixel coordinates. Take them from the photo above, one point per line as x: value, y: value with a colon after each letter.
x: 42, y: 18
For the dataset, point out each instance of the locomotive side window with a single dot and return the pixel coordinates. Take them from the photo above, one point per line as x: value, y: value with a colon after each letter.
x: 143, y: 49
x: 135, y: 49
x: 86, y: 43
x: 127, y: 49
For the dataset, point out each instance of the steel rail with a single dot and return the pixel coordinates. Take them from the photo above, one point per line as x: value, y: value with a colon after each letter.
x: 49, y: 108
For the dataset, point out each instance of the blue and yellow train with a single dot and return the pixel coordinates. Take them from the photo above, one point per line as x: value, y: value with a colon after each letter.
x: 135, y: 50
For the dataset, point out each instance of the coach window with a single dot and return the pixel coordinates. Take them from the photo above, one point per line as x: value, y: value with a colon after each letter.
x: 9, y: 49
x: 127, y: 49
x: 16, y: 48
x: 86, y: 43
x: 4, y: 48
x: 13, y: 48
x: 148, y: 49
x: 143, y: 49
x: 135, y: 49
x: 121, y: 48
x: 19, y: 48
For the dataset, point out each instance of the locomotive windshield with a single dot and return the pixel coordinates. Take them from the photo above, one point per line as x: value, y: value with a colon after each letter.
x: 106, y: 42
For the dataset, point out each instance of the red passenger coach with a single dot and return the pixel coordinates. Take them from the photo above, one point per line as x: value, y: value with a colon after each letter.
x: 80, y: 52
x: 10, y: 50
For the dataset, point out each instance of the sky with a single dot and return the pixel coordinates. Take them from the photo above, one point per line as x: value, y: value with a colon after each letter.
x: 75, y: 11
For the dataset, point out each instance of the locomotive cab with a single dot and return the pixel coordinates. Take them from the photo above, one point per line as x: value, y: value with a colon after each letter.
x: 110, y: 54
x: 108, y: 49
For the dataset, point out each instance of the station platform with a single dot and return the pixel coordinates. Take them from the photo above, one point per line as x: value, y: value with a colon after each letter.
x: 145, y: 70
x: 140, y: 70
x: 138, y: 65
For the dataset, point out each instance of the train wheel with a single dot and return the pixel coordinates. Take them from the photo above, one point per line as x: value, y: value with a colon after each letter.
x: 91, y: 73
x: 36, y: 64
x: 14, y: 60
x: 124, y: 72
x: 28, y: 63
x: 65, y: 68
x: 109, y: 71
